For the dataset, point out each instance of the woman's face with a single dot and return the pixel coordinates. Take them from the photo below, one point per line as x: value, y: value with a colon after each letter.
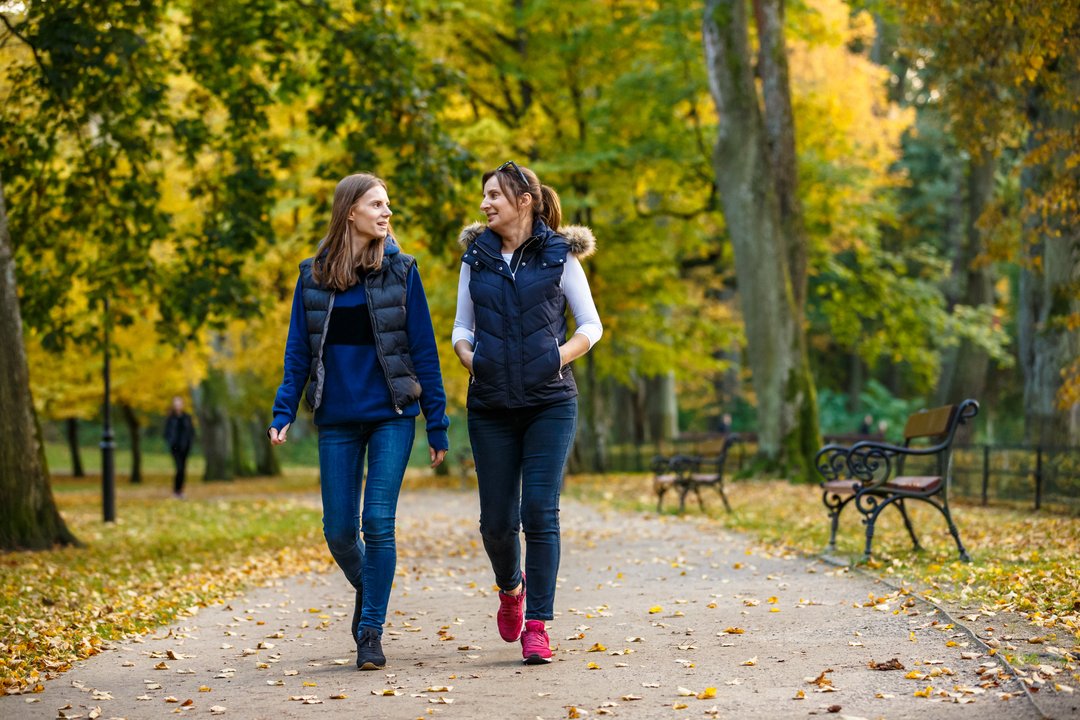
x: 369, y: 218
x: 501, y: 210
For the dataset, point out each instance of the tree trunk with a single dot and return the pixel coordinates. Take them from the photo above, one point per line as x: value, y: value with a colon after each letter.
x: 214, y: 428
x: 132, y: 422
x: 1048, y: 278
x: 241, y: 464
x: 964, y: 373
x: 72, y: 425
x: 776, y: 343
x: 266, y: 460
x: 780, y: 138
x: 28, y: 515
x: 662, y: 407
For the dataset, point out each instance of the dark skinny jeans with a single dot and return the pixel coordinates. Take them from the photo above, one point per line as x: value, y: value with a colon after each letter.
x: 520, y: 455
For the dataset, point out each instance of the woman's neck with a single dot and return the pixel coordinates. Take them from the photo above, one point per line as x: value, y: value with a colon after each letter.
x: 358, y: 243
x: 513, y: 239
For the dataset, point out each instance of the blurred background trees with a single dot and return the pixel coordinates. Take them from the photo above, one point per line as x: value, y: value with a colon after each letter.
x: 919, y: 162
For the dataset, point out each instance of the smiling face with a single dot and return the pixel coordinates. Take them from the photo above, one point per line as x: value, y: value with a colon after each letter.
x: 369, y: 217
x: 503, y: 212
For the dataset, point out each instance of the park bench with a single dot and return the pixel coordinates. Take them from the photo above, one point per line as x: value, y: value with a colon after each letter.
x: 689, y: 473
x: 870, y: 474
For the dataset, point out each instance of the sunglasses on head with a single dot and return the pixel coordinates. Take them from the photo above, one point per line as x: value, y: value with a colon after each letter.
x: 514, y: 165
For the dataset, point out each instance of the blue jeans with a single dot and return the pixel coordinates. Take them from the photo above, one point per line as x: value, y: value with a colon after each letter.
x: 520, y: 454
x: 368, y: 563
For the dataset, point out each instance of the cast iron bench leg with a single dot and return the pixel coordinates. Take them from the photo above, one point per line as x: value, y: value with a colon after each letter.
x: 907, y: 524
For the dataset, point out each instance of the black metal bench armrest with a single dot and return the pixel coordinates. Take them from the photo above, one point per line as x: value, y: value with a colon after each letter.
x: 831, y: 462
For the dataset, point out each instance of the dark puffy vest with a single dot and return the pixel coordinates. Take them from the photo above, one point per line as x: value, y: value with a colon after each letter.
x: 520, y: 322
x: 386, y: 291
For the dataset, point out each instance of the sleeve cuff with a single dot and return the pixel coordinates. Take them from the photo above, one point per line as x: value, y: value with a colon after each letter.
x: 281, y: 421
x: 438, y: 439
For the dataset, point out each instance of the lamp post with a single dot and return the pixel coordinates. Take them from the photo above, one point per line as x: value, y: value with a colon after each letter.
x: 108, y: 470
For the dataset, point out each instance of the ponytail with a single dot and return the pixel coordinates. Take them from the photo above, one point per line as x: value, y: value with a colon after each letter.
x: 549, y: 209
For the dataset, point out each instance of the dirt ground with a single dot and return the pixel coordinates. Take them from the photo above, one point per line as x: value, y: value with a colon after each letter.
x: 657, y: 617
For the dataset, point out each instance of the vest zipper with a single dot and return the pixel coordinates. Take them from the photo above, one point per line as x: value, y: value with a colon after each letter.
x: 322, y: 344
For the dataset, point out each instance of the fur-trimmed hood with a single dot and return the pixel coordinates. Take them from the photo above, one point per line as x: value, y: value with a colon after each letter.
x: 581, y: 239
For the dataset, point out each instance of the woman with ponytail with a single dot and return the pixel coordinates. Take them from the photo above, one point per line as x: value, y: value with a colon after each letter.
x: 361, y: 340
x: 519, y: 273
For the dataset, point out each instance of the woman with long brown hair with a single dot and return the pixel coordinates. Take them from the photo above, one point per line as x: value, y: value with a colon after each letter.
x: 361, y: 339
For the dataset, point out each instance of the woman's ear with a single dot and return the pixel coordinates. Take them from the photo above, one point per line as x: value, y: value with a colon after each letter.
x: 525, y: 199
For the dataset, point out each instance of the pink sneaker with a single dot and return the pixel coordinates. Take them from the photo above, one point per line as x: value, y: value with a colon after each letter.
x: 511, y: 615
x: 535, y: 646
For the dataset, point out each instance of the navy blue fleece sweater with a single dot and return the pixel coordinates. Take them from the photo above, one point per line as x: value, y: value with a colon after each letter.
x: 355, y: 388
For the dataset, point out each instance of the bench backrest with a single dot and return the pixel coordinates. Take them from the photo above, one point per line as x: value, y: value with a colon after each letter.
x: 930, y: 423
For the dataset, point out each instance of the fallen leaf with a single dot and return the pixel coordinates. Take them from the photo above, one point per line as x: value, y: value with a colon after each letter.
x: 893, y: 664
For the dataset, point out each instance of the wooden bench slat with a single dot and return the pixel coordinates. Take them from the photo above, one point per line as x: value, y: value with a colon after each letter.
x: 841, y: 487
x: 915, y: 483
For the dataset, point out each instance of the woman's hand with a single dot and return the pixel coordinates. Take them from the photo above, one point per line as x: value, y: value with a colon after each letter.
x: 573, y: 348
x: 437, y: 456
x: 278, y: 438
x: 465, y: 354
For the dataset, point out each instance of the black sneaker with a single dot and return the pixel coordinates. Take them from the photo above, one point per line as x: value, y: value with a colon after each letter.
x: 357, y: 608
x: 369, y: 654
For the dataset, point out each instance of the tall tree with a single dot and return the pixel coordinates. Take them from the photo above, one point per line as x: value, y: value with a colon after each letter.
x: 28, y: 514
x: 82, y: 86
x: 1010, y: 79
x: 749, y: 192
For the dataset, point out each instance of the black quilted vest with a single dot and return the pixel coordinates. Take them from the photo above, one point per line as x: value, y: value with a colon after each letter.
x: 385, y: 290
x: 520, y: 322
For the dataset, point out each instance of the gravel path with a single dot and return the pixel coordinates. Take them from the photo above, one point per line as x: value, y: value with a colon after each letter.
x: 657, y: 617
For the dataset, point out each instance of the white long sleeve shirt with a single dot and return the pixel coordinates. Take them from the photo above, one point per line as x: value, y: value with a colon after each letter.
x: 575, y: 287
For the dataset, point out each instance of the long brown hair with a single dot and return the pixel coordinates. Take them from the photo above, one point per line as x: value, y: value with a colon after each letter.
x: 335, y: 264
x: 545, y: 199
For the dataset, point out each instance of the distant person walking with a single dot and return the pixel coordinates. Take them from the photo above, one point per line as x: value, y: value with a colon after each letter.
x: 518, y: 276
x: 866, y: 427
x: 361, y: 340
x: 179, y: 436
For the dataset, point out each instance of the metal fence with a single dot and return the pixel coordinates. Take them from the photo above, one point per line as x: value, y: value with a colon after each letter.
x: 1036, y: 477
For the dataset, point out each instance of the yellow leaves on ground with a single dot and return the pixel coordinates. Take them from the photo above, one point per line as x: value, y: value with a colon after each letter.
x: 655, y: 609
x: 60, y: 606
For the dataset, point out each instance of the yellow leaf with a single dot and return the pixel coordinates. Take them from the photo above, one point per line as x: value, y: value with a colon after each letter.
x: 799, y: 695
x: 655, y: 609
x: 593, y: 666
x: 734, y: 631
x: 597, y: 648
x: 707, y: 694
x: 925, y: 693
